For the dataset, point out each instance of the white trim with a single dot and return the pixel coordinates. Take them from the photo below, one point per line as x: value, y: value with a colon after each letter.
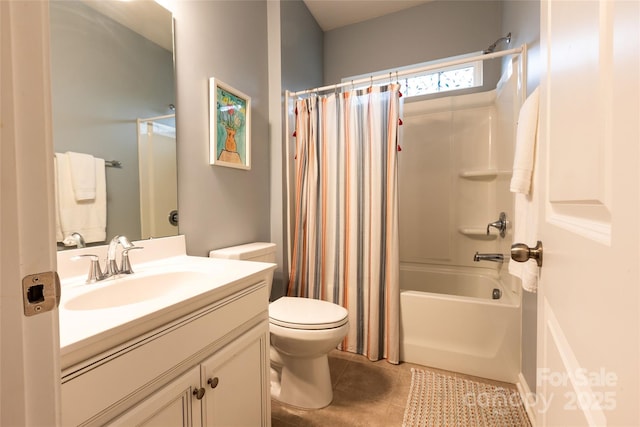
x: 592, y: 413
x: 528, y: 398
x: 29, y: 345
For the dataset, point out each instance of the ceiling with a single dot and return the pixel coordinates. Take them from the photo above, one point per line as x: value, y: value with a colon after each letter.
x: 151, y: 20
x: 331, y: 14
x: 147, y: 18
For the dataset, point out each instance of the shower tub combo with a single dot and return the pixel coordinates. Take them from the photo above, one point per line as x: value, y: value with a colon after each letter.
x: 460, y: 320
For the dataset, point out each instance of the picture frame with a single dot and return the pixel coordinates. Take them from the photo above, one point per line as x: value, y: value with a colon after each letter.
x: 229, y: 126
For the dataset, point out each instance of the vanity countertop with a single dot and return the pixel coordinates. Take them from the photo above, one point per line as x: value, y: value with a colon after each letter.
x: 88, y: 331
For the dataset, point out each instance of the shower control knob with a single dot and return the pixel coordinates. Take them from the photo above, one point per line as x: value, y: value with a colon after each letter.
x: 523, y: 253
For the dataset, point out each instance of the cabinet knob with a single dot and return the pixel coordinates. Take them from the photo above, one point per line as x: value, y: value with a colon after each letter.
x: 199, y: 393
x: 213, y: 382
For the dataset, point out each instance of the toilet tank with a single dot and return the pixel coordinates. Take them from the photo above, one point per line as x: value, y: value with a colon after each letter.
x: 257, y: 251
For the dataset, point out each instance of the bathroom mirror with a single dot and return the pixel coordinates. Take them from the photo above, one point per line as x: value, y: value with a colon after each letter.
x: 113, y: 92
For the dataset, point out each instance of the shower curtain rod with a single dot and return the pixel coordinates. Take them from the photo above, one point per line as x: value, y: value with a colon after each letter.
x: 480, y: 57
x: 150, y: 119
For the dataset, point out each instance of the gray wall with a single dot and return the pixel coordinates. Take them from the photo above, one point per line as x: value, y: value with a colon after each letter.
x: 227, y: 40
x: 434, y: 30
x: 302, y: 47
x: 522, y: 18
x: 104, y: 77
x: 300, y: 41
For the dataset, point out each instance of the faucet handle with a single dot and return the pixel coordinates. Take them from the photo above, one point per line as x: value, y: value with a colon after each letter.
x: 125, y: 264
x: 500, y: 224
x: 95, y: 273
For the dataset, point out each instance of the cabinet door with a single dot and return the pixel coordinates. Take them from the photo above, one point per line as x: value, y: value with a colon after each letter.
x: 236, y: 382
x: 172, y: 405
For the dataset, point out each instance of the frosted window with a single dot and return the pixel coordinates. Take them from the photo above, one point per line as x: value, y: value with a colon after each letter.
x: 461, y: 76
x: 439, y: 81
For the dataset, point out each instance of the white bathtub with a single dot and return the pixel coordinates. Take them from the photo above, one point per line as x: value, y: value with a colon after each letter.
x: 448, y: 320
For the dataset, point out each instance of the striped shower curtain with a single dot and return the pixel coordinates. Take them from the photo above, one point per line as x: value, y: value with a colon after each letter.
x: 345, y: 243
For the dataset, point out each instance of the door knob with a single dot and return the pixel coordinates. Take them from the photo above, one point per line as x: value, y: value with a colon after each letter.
x: 522, y: 253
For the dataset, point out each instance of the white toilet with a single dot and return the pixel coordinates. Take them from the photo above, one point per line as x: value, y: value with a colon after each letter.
x: 303, y: 331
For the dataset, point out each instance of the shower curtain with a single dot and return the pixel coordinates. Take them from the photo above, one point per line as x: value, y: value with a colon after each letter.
x: 345, y: 243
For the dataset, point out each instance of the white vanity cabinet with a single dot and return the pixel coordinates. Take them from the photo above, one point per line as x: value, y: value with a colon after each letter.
x: 207, y: 368
x: 173, y: 405
x: 225, y: 390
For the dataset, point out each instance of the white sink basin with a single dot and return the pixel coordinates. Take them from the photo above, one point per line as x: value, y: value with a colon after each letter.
x: 134, y: 289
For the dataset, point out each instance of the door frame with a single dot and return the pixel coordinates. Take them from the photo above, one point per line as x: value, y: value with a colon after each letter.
x: 29, y: 345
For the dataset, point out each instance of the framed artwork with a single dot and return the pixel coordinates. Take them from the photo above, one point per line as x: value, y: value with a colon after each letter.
x: 229, y: 126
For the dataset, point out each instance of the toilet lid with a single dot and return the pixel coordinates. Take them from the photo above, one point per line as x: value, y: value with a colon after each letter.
x: 306, y: 313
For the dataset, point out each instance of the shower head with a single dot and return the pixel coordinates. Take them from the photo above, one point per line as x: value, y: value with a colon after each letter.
x: 492, y: 47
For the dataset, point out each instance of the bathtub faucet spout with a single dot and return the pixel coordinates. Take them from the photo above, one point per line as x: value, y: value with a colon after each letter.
x: 488, y: 257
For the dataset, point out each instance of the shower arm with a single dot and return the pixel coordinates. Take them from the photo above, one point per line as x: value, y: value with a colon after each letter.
x: 492, y: 47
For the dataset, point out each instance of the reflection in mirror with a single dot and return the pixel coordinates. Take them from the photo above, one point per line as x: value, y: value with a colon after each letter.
x: 108, y: 83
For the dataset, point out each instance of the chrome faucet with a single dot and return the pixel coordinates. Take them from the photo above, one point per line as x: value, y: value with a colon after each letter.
x: 488, y: 257
x: 112, y: 266
x: 95, y: 273
x: 78, y: 239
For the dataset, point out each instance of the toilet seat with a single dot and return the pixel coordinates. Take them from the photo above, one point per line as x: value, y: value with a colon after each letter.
x: 306, y: 313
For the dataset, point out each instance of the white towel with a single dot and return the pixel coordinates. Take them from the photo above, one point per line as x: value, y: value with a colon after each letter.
x: 525, y: 144
x: 87, y: 217
x: 83, y: 175
x: 525, y: 229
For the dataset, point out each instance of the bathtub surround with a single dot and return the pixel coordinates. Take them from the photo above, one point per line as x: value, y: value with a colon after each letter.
x: 345, y: 243
x: 454, y: 170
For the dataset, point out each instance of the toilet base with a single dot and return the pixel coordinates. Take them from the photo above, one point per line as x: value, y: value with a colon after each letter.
x: 301, y: 382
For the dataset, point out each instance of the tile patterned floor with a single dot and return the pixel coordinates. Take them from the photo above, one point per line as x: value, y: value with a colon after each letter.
x: 365, y: 393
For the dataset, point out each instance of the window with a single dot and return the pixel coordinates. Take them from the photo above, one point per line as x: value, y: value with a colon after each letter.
x: 437, y: 80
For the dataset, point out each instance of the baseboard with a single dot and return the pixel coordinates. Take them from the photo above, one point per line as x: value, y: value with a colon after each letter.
x: 527, y: 398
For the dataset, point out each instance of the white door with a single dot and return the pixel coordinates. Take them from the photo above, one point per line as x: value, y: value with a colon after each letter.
x: 29, y: 345
x: 588, y: 303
